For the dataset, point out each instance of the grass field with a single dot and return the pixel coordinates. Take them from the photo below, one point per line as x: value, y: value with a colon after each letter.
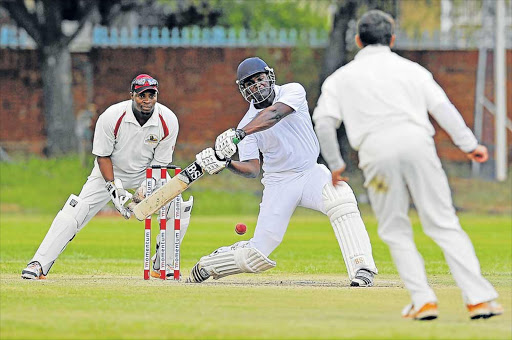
x: 95, y: 290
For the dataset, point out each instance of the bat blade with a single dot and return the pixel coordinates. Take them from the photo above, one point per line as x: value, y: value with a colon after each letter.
x: 168, y: 191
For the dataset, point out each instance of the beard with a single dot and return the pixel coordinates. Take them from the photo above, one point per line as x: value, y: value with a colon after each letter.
x: 260, y: 95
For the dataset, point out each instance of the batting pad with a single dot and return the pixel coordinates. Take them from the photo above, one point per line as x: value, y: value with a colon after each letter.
x: 341, y: 206
x: 236, y: 259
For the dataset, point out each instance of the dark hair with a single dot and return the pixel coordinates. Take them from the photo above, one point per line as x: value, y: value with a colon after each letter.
x: 376, y: 28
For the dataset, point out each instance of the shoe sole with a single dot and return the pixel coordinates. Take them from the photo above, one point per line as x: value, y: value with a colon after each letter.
x: 356, y: 284
x: 26, y: 275
x: 486, y: 311
x: 426, y: 313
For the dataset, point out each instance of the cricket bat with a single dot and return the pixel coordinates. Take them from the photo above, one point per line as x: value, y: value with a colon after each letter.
x: 168, y: 191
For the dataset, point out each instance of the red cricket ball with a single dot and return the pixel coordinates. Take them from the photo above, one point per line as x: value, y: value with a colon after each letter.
x: 240, y: 228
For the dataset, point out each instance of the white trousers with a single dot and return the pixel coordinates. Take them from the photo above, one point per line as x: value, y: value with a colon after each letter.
x: 280, y: 200
x: 402, y: 161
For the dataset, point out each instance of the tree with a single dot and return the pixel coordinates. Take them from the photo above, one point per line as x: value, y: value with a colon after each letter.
x: 43, y: 22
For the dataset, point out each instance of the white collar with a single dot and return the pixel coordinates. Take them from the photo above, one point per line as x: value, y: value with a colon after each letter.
x: 130, y: 116
x: 372, y: 50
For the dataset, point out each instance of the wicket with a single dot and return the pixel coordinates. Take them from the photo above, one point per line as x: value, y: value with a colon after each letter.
x: 150, y: 181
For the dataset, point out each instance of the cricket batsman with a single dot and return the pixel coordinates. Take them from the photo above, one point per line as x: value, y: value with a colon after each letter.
x: 278, y: 125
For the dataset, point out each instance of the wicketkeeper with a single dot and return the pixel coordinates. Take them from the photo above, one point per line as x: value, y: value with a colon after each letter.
x: 129, y: 136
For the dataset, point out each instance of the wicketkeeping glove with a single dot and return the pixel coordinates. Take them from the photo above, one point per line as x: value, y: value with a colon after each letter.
x: 119, y: 196
x: 225, y: 144
x: 207, y: 160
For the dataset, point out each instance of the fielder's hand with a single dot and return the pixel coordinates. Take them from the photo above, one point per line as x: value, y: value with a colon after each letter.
x: 119, y: 196
x: 480, y: 154
x: 337, y: 177
x: 207, y: 159
x: 225, y: 144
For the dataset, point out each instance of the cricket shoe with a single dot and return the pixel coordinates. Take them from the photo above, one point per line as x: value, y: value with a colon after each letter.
x: 427, y: 312
x: 484, y: 310
x: 169, y: 272
x: 197, y: 274
x: 34, y: 271
x: 155, y: 269
x: 363, y: 278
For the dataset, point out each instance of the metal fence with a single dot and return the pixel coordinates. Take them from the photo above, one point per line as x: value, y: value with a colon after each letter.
x: 100, y: 36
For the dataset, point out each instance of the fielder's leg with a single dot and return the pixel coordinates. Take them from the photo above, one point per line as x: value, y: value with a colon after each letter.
x: 341, y: 206
x: 431, y: 192
x: 235, y: 259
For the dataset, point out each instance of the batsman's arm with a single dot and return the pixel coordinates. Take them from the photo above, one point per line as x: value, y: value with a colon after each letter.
x: 267, y: 118
x: 249, y: 168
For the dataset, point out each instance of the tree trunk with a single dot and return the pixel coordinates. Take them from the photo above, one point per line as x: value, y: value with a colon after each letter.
x: 58, y: 100
x: 335, y: 52
x: 334, y: 58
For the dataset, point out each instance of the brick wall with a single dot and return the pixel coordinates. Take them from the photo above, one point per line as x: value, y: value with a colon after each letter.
x: 198, y: 84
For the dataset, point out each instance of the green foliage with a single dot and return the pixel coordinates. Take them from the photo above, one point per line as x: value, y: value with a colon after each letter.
x: 255, y: 15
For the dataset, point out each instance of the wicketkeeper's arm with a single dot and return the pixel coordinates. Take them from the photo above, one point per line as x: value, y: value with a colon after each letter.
x: 106, y: 168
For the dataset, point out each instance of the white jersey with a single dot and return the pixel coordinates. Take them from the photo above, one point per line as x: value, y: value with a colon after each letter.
x: 132, y: 147
x: 290, y: 146
x: 378, y: 90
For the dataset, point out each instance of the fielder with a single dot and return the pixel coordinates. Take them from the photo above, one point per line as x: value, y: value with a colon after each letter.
x: 129, y: 136
x: 279, y: 126
x: 384, y: 101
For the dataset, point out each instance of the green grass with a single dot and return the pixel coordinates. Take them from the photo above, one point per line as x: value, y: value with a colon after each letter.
x: 96, y: 290
x: 38, y: 186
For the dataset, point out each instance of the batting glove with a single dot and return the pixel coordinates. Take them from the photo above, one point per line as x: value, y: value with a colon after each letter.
x: 225, y: 144
x: 119, y: 196
x: 207, y: 160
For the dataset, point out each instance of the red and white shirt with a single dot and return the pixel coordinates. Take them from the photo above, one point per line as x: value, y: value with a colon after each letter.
x: 131, y: 147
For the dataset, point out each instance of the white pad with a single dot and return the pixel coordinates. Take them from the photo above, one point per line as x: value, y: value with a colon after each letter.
x: 236, y: 259
x: 341, y: 206
x: 186, y: 209
x: 64, y: 227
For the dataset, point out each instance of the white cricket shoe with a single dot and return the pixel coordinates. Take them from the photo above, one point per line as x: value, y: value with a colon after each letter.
x: 363, y: 278
x: 34, y: 271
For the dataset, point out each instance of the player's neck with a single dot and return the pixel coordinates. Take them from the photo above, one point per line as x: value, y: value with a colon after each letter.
x: 141, y: 117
